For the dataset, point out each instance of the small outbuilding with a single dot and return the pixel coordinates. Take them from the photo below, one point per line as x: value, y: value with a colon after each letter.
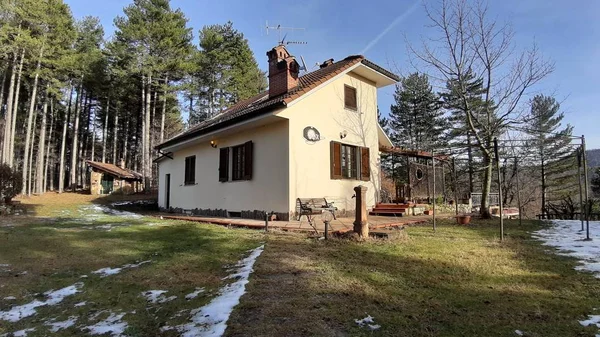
x: 108, y: 178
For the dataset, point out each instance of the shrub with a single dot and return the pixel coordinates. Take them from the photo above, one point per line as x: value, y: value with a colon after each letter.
x: 11, y: 182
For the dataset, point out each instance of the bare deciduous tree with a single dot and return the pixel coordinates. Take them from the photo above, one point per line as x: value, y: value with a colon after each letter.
x: 469, y: 41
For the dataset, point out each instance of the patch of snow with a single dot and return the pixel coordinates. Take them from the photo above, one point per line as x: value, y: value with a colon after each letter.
x: 194, y: 294
x: 53, y: 298
x: 101, y: 209
x: 104, y: 272
x: 211, y: 319
x: 113, y: 324
x: 56, y: 326
x: 10, y: 298
x: 157, y: 296
x: 20, y: 333
x: 592, y: 320
x: 367, y: 322
x: 80, y: 304
x: 519, y: 332
x: 567, y: 237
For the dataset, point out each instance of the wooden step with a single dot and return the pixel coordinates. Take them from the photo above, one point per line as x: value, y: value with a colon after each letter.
x: 387, y: 213
x: 397, y: 210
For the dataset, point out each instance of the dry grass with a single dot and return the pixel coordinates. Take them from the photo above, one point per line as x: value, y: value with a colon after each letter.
x: 460, y: 281
x: 55, y: 251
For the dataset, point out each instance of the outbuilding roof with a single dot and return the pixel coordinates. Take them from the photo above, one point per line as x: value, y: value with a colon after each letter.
x: 114, y: 170
x: 262, y: 103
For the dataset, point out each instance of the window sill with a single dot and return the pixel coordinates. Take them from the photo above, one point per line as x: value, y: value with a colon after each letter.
x: 189, y: 184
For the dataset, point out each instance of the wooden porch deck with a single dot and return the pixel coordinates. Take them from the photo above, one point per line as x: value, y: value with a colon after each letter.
x: 341, y: 225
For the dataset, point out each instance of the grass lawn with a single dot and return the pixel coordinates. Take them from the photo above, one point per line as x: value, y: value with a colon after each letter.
x: 459, y: 281
x: 38, y: 254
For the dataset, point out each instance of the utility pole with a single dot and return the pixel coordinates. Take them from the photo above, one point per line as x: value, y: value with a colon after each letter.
x: 587, y: 190
x: 499, y: 189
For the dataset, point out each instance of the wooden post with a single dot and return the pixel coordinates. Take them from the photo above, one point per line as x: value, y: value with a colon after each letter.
x: 587, y: 189
x: 499, y: 189
x: 434, y: 194
x: 582, y: 207
x: 360, y: 222
x: 455, y: 185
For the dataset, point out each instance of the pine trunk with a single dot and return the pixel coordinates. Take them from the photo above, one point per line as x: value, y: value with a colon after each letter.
x: 63, y: 144
x: 2, y: 90
x: 142, y: 145
x: 164, y: 111
x: 148, y: 165
x: 30, y: 168
x: 49, y: 162
x: 42, y: 148
x: 125, y: 140
x: 104, y: 129
x: 78, y: 99
x: 28, y: 135
x: 115, y: 130
x: 487, y: 185
x: 9, y: 109
x: 13, y: 124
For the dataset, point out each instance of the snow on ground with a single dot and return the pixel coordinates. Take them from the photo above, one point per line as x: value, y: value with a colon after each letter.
x: 113, y: 324
x: 567, y: 237
x: 80, y: 304
x: 194, y: 294
x: 101, y: 209
x: 157, y: 296
x: 20, y: 333
x: 368, y: 322
x: 104, y: 272
x: 10, y: 298
x: 56, y: 326
x: 211, y: 319
x: 54, y: 297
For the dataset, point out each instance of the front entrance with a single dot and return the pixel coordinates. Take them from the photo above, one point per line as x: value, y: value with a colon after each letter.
x: 168, y: 191
x: 107, y: 184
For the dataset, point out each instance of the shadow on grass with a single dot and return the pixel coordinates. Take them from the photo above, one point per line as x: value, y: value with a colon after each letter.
x: 456, y: 282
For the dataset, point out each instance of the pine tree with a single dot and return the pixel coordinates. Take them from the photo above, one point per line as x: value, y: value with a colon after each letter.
x: 416, y: 120
x: 551, y: 145
x: 226, y: 71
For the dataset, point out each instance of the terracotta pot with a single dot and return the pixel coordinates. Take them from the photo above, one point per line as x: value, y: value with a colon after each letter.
x: 463, y: 219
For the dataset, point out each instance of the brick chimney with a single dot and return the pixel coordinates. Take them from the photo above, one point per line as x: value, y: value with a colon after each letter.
x: 283, y: 71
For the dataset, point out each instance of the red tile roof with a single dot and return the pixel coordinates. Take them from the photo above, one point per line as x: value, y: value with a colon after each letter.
x: 115, y: 170
x: 262, y: 103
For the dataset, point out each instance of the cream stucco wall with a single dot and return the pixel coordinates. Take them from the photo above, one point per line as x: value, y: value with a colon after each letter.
x: 286, y: 166
x: 309, y: 163
x: 268, y: 189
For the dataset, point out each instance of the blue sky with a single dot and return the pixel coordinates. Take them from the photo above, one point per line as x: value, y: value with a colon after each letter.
x: 567, y: 32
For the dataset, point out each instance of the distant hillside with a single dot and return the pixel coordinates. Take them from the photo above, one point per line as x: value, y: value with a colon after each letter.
x: 593, y: 157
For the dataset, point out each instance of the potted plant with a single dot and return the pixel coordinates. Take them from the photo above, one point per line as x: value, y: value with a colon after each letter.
x: 463, y: 219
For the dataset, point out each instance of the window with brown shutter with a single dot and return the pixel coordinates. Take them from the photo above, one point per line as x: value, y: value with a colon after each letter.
x: 350, y: 98
x: 336, y: 160
x: 190, y: 170
x: 224, y: 164
x: 242, y: 161
x: 365, y: 164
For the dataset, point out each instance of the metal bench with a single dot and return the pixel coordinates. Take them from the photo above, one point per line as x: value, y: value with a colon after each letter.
x: 313, y: 206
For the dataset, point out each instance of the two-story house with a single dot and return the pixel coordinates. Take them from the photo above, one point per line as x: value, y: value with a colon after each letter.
x: 315, y: 135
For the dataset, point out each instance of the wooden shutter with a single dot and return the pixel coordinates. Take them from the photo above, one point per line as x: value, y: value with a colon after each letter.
x: 248, y: 160
x: 365, y: 164
x: 224, y: 164
x: 350, y: 97
x: 336, y: 160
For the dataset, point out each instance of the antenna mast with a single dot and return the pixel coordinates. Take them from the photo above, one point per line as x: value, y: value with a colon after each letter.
x: 279, y: 29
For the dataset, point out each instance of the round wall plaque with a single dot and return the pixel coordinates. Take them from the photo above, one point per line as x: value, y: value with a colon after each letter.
x: 311, y: 134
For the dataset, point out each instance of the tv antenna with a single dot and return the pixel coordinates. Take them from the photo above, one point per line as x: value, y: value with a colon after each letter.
x: 279, y: 29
